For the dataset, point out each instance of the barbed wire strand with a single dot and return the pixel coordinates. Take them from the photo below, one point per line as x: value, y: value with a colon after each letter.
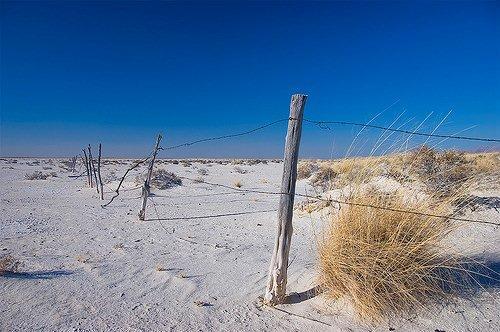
x: 351, y: 203
x: 134, y: 166
x: 322, y: 125
x: 226, y: 136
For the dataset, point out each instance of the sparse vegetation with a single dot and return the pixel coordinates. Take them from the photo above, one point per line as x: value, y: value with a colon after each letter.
x: 439, y: 173
x: 384, y: 261
x: 161, y: 179
x: 238, y: 184
x: 305, y: 169
x: 203, y: 171
x: 8, y: 264
x: 37, y: 175
x: 240, y: 170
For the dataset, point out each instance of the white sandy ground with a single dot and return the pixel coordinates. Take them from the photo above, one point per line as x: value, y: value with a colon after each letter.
x: 87, y: 268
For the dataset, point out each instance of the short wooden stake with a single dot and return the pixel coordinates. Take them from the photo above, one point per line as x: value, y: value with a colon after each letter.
x: 146, y: 187
x: 277, y: 278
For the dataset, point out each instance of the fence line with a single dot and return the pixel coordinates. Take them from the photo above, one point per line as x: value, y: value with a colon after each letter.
x: 323, y: 125
x: 346, y: 203
x: 277, y: 276
x: 242, y: 191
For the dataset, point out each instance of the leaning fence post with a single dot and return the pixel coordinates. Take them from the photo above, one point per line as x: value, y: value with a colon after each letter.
x: 146, y: 186
x: 89, y: 178
x: 99, y: 172
x: 277, y: 278
x: 92, y: 167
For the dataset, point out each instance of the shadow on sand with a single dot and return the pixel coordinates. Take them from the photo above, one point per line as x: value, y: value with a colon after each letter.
x: 480, y: 274
x: 35, y: 274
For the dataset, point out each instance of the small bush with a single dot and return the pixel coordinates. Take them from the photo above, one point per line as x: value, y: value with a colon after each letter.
x: 240, y: 170
x: 8, y: 265
x: 305, y: 169
x: 39, y: 175
x: 202, y: 171
x: 161, y: 179
x: 238, y: 184
x: 108, y: 178
x: 324, y: 177
x: 443, y: 174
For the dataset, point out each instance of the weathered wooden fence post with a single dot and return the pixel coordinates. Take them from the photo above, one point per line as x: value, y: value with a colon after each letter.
x: 146, y: 186
x: 99, y: 172
x: 92, y: 168
x: 276, y: 284
x: 89, y: 177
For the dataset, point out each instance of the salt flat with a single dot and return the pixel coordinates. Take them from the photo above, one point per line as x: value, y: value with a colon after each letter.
x: 186, y: 267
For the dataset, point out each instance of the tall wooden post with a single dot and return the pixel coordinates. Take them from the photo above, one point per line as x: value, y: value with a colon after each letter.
x: 146, y: 187
x: 99, y: 172
x: 276, y: 284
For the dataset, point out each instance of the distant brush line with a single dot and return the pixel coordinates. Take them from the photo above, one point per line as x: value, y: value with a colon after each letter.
x: 348, y: 203
x: 322, y: 124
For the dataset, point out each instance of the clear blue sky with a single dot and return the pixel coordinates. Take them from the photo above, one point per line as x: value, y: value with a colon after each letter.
x: 74, y: 73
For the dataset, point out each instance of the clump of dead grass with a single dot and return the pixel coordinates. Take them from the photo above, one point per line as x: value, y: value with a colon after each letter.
x: 8, y: 264
x: 385, y: 261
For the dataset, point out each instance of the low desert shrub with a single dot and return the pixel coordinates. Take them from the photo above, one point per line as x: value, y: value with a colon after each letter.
x: 385, y: 261
x: 305, y: 169
x: 443, y: 174
x: 324, y: 177
x: 203, y: 171
x: 161, y: 179
x: 240, y: 170
x: 37, y: 175
x: 485, y: 163
x: 8, y: 265
x: 238, y: 184
x: 110, y: 177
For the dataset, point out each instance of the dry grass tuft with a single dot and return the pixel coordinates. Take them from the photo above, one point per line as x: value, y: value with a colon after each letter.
x: 387, y: 262
x: 160, y: 268
x: 8, y: 264
x: 238, y: 184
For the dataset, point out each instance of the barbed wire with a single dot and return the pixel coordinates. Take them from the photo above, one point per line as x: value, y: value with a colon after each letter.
x: 134, y: 166
x: 226, y: 136
x: 215, y: 215
x: 331, y: 200
x: 323, y: 125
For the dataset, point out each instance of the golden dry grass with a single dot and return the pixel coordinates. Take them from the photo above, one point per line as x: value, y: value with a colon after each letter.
x: 387, y: 262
